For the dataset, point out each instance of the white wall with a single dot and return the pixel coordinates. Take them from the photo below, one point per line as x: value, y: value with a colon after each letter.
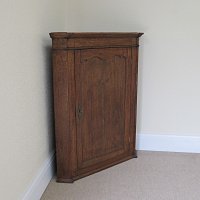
x: 26, y: 105
x: 169, y: 93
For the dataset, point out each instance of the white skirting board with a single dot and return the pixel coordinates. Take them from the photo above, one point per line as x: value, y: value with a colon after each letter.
x: 42, y: 179
x: 145, y: 141
x: 169, y: 143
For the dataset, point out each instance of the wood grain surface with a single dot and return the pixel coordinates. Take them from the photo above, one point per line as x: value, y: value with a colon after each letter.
x: 95, y: 98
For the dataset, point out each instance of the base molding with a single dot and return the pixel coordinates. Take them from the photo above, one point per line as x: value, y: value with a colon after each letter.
x: 81, y: 173
x: 64, y: 180
x: 169, y: 143
x: 42, y: 179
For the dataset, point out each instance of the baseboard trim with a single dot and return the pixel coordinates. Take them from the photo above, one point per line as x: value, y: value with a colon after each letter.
x: 145, y: 141
x: 169, y: 143
x: 42, y: 179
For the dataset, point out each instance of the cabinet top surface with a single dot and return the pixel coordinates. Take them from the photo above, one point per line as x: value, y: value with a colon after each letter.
x: 95, y: 34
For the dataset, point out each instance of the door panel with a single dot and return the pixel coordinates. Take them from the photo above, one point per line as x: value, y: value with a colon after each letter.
x: 103, y: 104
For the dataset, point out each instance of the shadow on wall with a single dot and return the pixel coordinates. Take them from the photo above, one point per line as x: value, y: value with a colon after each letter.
x: 140, y: 84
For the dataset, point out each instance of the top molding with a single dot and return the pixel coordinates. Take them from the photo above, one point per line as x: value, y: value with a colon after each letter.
x: 95, y: 35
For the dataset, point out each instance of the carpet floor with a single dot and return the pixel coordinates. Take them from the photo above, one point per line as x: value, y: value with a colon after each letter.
x: 151, y: 176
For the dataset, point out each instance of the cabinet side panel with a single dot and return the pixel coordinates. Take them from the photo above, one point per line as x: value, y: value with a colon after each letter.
x: 133, y: 96
x: 64, y: 107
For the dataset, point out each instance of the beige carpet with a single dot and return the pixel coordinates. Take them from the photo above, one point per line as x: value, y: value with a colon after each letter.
x: 152, y: 176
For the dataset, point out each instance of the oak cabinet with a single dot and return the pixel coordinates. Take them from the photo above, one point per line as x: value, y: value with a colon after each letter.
x: 95, y: 97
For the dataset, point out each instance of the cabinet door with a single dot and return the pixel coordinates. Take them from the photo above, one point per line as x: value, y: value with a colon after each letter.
x: 103, y: 84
